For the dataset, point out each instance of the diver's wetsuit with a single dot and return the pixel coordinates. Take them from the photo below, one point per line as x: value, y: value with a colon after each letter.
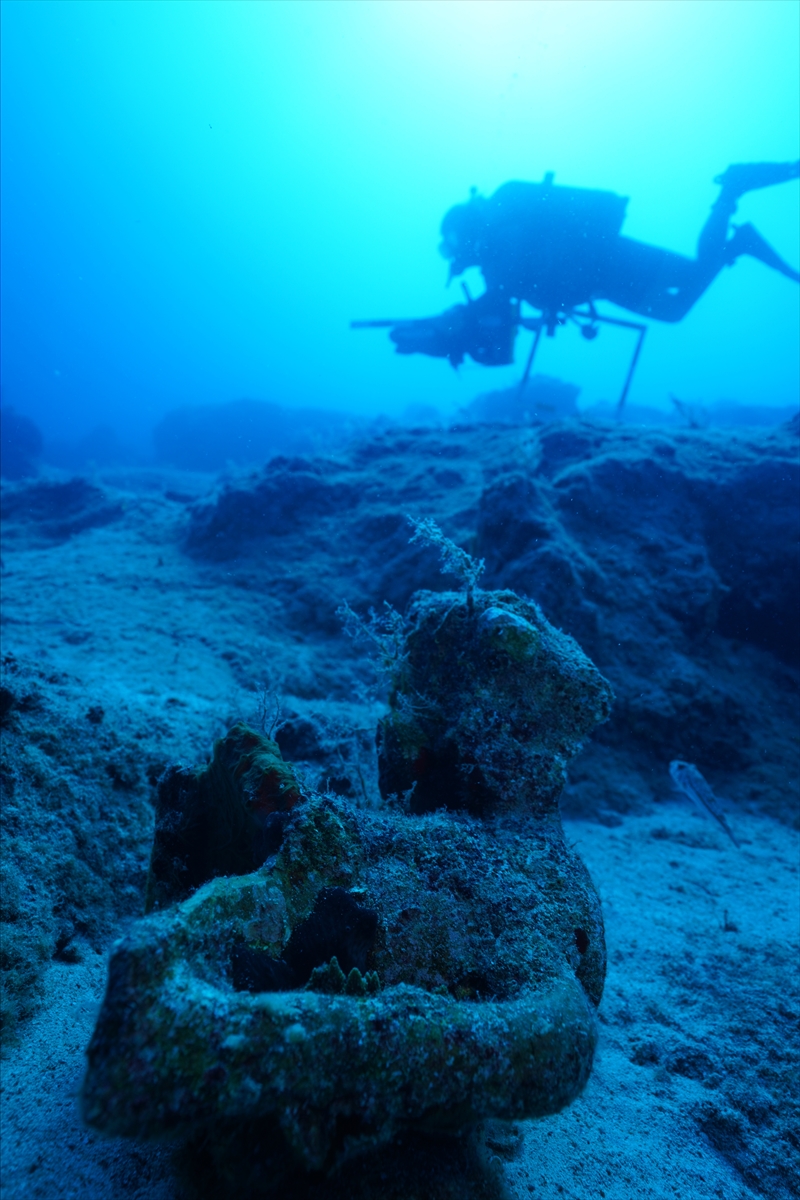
x: 557, y: 248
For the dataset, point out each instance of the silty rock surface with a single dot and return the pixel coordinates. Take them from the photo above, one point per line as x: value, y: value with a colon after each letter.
x: 382, y: 969
x: 489, y: 704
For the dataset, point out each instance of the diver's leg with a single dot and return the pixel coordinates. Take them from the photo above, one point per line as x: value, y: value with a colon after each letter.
x: 653, y: 282
x: 662, y: 285
x: 734, y: 183
x: 714, y: 234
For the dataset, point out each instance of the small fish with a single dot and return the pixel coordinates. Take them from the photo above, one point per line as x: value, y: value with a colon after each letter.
x: 687, y: 777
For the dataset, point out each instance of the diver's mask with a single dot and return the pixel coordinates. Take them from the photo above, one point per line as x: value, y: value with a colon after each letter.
x: 464, y: 235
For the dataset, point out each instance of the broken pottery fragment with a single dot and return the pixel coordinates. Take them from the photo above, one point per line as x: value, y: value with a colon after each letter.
x: 423, y: 966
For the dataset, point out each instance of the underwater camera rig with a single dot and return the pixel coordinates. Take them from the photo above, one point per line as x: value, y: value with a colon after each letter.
x: 486, y: 330
x: 588, y: 322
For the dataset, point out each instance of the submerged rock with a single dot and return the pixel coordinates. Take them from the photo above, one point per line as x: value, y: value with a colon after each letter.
x: 424, y: 966
x: 489, y: 704
x: 54, y: 512
x: 75, y: 828
x: 671, y: 555
x: 223, y: 819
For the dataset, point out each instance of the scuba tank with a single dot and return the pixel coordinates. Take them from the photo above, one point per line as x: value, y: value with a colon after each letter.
x: 548, y: 209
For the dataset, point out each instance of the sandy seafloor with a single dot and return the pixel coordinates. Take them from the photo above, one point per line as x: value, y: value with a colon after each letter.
x: 702, y: 937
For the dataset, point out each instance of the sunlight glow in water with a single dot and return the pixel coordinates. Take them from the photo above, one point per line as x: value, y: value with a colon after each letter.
x: 198, y: 197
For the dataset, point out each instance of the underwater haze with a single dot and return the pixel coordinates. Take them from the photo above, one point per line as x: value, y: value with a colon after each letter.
x: 399, y: 766
x: 197, y: 198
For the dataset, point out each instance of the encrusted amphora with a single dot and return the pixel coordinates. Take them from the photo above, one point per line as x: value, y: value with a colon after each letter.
x: 329, y: 974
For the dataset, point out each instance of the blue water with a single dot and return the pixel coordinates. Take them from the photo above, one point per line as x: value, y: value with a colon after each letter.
x: 198, y: 197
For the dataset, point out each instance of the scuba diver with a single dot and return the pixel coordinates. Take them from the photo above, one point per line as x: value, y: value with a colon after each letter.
x: 558, y: 248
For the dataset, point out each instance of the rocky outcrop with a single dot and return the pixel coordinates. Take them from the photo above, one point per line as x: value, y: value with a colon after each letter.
x: 672, y: 557
x: 51, y: 511
x: 76, y: 826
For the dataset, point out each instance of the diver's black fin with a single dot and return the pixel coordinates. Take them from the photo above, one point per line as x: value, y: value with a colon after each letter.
x: 747, y: 240
x: 747, y: 177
